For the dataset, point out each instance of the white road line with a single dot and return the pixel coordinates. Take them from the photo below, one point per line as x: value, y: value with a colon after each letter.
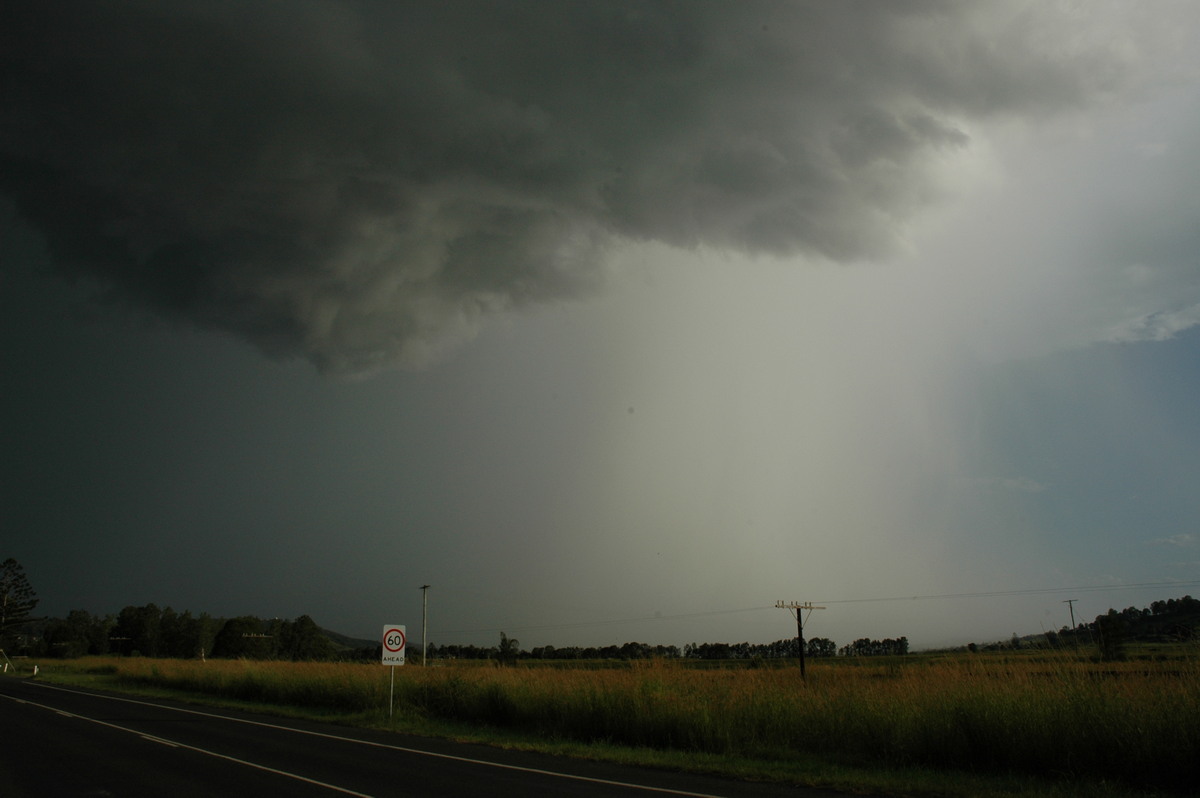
x: 418, y: 751
x: 205, y: 751
x: 159, y: 740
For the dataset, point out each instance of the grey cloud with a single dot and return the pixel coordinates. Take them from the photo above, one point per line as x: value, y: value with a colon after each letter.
x: 1182, y: 540
x: 358, y: 183
x: 1158, y: 326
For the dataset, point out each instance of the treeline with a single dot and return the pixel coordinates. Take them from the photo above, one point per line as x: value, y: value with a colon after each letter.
x: 162, y: 632
x: 152, y: 631
x: 626, y: 651
x: 875, y: 648
x: 1166, y: 621
x: 780, y: 649
x: 1170, y: 621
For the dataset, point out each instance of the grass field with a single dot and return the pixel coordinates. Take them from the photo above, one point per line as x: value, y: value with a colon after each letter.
x: 1041, y: 722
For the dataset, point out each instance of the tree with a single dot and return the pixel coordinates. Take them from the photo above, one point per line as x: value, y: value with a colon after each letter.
x: 17, y: 598
x: 302, y: 639
x: 138, y: 630
x: 185, y: 636
x: 821, y: 647
x: 1110, y: 630
x: 509, y: 649
x: 78, y: 634
x: 242, y: 638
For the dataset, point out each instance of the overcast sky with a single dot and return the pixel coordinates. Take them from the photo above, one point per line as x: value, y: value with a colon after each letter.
x: 610, y: 321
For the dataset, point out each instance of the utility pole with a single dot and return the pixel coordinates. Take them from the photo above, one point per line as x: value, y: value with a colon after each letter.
x: 1071, y: 603
x: 796, y: 607
x: 424, y: 618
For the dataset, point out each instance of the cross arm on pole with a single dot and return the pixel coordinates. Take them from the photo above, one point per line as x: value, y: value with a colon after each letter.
x: 796, y: 606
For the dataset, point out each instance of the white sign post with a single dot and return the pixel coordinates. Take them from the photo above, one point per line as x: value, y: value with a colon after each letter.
x: 394, y: 640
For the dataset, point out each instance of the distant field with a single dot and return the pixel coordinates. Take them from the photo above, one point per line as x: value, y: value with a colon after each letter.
x: 1053, y: 715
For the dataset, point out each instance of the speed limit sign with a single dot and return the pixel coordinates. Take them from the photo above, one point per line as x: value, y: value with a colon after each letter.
x: 394, y: 640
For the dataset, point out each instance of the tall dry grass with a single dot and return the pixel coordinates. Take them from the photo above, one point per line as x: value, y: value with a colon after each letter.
x: 334, y: 687
x: 1134, y: 722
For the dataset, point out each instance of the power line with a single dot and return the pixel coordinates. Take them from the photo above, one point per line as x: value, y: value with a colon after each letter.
x: 584, y: 624
x: 924, y: 597
x: 1027, y: 592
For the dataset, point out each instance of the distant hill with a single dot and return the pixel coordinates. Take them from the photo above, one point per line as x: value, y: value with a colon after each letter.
x: 348, y: 643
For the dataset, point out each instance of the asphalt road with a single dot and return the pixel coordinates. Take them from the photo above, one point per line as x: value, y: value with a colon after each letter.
x: 68, y: 742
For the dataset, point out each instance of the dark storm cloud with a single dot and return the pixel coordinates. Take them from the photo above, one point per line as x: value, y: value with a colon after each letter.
x: 356, y: 182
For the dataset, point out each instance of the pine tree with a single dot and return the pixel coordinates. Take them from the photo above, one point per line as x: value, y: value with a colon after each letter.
x: 17, y: 598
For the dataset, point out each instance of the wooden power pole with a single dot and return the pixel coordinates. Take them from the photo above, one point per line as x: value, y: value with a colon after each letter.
x: 1071, y: 603
x: 797, y: 607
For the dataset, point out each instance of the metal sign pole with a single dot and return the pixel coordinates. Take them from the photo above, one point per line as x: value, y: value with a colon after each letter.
x: 424, y: 624
x: 392, y: 653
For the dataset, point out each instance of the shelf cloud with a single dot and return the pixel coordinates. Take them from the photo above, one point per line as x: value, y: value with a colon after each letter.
x: 360, y: 184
